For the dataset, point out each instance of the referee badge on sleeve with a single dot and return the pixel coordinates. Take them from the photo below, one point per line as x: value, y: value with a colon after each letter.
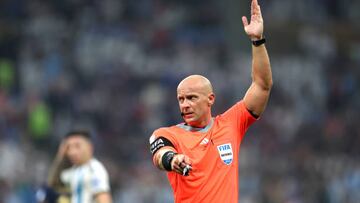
x: 226, y: 153
x: 158, y: 143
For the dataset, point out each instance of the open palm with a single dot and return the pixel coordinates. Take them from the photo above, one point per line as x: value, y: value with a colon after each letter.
x: 255, y: 28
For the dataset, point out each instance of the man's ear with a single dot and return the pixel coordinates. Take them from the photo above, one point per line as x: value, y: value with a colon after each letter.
x: 211, y: 99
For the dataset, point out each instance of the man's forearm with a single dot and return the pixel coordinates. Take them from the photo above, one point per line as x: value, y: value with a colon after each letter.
x: 54, y: 173
x: 167, y: 159
x: 258, y: 93
x: 157, y: 159
x: 261, y: 70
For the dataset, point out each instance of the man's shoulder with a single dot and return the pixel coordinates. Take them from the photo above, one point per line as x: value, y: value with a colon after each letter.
x: 96, y: 164
x: 234, y: 109
x: 166, y: 130
x: 169, y: 132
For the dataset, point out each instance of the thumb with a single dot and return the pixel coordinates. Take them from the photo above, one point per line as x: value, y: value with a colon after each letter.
x: 245, y: 21
x: 187, y: 160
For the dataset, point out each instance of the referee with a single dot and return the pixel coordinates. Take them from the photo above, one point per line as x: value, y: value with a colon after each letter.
x: 201, y: 154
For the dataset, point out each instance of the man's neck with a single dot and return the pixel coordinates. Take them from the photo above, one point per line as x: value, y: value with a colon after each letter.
x: 83, y: 162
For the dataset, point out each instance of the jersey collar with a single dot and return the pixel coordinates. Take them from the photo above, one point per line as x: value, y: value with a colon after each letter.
x: 195, y: 129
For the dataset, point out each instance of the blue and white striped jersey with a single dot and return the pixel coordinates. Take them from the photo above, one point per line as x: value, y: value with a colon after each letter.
x: 86, y: 181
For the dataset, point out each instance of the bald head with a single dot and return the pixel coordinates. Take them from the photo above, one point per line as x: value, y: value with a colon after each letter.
x: 195, y: 96
x: 197, y: 83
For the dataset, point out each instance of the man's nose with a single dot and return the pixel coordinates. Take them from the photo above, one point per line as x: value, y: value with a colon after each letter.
x: 71, y: 152
x: 185, y: 104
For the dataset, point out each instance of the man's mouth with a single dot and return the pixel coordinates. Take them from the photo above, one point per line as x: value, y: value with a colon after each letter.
x: 187, y: 115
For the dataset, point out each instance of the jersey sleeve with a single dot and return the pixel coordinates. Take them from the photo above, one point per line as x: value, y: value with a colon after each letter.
x: 161, y: 138
x: 240, y: 117
x: 100, y: 180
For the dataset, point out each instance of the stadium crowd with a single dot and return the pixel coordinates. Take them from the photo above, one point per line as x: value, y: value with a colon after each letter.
x: 112, y: 67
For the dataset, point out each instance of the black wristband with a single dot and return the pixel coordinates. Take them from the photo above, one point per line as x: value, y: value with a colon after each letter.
x: 259, y: 42
x: 166, y: 160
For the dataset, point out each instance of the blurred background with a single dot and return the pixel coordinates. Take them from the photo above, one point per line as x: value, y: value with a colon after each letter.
x: 112, y: 66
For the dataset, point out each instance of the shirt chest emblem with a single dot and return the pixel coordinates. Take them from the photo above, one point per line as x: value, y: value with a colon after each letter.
x: 205, y: 141
x: 226, y: 153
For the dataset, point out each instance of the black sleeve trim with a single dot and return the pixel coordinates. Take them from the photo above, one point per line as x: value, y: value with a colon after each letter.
x: 159, y: 143
x: 253, y: 114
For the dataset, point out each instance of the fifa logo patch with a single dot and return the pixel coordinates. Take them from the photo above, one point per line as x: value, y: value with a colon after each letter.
x: 226, y: 153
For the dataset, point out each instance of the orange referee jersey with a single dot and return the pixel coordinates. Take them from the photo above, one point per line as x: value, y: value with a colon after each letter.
x: 214, y: 152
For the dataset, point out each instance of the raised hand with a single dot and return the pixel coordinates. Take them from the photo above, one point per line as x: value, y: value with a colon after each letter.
x: 255, y: 28
x: 62, y: 150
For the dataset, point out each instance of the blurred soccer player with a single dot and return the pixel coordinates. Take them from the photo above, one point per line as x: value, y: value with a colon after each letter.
x: 201, y: 154
x: 75, y: 168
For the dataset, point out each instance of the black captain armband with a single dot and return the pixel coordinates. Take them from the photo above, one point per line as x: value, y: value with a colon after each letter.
x: 166, y: 160
x: 159, y: 143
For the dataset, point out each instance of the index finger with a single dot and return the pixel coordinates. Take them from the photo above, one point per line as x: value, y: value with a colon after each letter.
x: 254, y: 6
x: 187, y: 160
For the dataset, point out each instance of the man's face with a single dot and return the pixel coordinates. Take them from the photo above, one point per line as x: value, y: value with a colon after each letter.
x: 79, y: 150
x: 195, y: 105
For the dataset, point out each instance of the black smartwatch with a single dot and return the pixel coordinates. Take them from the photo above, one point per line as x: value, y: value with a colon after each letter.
x: 259, y: 42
